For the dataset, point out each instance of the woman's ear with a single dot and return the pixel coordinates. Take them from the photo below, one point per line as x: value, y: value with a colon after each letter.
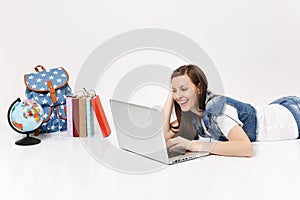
x: 198, y: 89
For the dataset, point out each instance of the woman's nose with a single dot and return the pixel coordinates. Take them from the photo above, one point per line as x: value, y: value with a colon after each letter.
x: 178, y: 95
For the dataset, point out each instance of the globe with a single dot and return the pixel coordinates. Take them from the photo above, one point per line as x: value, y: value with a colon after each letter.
x: 25, y: 117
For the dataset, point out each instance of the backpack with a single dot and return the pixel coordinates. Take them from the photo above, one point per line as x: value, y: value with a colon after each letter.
x: 49, y: 88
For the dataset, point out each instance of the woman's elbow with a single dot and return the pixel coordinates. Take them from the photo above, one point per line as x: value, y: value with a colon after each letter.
x: 248, y: 150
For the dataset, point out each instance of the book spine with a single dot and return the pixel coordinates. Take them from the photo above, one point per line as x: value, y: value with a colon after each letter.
x: 100, y: 115
x: 89, y: 121
x: 82, y: 117
x: 69, y: 116
x: 75, y: 107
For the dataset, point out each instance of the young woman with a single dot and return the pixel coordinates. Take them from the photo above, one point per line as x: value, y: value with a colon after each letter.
x: 219, y: 124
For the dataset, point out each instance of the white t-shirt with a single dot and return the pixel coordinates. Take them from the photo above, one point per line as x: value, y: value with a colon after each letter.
x: 274, y: 122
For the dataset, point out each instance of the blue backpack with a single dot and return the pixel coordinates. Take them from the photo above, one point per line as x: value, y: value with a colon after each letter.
x: 49, y: 88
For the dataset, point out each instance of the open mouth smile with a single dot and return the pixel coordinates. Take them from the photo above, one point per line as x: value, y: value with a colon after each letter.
x: 182, y: 103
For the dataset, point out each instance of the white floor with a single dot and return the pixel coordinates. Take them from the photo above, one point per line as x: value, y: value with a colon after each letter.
x: 61, y: 167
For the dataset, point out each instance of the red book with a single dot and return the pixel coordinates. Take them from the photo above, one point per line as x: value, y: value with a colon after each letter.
x: 75, y: 107
x: 102, y: 120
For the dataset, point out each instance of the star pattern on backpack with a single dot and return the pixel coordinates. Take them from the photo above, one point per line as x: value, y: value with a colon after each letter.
x: 37, y: 89
x: 38, y: 81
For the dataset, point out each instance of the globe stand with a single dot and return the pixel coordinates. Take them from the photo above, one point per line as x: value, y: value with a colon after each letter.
x: 26, y: 141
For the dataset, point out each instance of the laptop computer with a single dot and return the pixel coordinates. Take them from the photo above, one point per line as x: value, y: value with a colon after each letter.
x: 139, y: 130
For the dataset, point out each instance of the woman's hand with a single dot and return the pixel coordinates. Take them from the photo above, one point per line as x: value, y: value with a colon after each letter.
x: 179, y: 144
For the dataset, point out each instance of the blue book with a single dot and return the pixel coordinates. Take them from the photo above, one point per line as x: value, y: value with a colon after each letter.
x: 89, y: 118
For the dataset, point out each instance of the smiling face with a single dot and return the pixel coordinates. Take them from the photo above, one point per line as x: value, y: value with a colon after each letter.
x: 185, y: 93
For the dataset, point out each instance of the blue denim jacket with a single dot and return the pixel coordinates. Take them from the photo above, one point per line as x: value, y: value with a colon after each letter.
x: 215, y: 107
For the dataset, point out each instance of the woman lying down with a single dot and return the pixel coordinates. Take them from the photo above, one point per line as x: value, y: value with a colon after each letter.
x: 219, y: 124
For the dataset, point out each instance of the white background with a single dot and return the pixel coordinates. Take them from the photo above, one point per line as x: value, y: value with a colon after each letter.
x: 254, y: 44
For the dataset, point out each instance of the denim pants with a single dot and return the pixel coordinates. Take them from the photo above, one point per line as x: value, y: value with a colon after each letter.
x: 292, y: 103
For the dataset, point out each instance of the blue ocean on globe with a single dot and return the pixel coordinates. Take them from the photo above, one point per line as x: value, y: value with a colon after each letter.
x: 27, y: 115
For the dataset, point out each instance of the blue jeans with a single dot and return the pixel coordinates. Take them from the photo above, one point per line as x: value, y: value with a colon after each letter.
x: 292, y: 103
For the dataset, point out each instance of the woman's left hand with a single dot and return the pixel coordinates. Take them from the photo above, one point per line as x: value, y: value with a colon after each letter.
x: 179, y: 144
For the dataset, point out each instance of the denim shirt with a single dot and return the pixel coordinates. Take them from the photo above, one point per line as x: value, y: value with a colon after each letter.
x: 215, y: 107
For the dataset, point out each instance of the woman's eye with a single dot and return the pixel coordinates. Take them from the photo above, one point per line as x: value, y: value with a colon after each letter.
x: 184, y: 89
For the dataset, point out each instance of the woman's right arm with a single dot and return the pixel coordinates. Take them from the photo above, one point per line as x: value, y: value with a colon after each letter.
x: 169, y: 132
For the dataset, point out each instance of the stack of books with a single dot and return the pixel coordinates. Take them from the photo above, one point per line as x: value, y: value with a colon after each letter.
x: 80, y: 116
